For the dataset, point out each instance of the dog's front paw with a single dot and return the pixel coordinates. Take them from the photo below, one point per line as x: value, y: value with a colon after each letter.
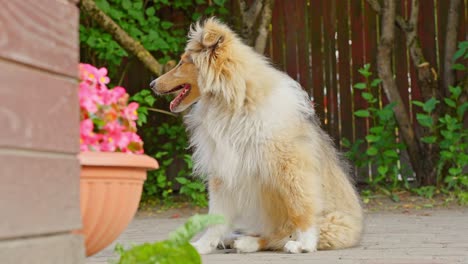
x: 293, y: 247
x: 309, y: 246
x: 246, y: 244
x: 203, y: 248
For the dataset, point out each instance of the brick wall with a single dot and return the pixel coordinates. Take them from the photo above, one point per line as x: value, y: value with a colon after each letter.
x: 39, y: 132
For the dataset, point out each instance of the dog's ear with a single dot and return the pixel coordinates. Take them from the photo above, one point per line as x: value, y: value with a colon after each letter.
x: 211, y: 40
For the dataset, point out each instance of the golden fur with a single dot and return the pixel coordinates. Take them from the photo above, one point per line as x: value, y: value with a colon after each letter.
x: 271, y: 170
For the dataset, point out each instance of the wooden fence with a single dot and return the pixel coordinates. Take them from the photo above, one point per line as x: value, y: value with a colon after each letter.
x: 323, y: 44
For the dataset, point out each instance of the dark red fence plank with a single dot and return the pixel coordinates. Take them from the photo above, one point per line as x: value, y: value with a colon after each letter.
x: 442, y: 16
x: 291, y: 27
x: 329, y: 26
x: 370, y: 45
x: 344, y: 70
x: 462, y: 34
x: 357, y: 51
x: 315, y: 25
x: 277, y: 36
x: 302, y: 43
x: 426, y: 30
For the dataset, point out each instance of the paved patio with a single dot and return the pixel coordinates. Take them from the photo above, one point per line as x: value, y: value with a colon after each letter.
x: 420, y: 236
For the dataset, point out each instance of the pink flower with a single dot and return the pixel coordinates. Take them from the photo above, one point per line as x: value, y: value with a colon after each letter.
x: 88, y: 139
x: 130, y: 112
x: 112, y: 96
x: 101, y: 76
x: 107, y: 108
x: 88, y: 98
x: 116, y: 135
x: 135, y: 145
x: 108, y: 144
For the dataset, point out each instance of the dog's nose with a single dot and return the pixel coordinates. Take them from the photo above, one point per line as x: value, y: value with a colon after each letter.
x: 153, y: 83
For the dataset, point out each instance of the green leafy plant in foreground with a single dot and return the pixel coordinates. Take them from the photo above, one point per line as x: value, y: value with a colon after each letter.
x: 175, y: 250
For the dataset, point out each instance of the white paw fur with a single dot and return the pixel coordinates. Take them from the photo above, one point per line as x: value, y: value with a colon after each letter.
x: 246, y: 244
x: 202, y: 247
x: 308, y: 239
x: 293, y: 247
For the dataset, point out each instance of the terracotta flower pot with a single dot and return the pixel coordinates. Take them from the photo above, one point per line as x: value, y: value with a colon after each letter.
x: 110, y: 190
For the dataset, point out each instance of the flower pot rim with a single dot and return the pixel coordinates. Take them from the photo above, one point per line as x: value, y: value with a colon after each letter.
x: 117, y: 159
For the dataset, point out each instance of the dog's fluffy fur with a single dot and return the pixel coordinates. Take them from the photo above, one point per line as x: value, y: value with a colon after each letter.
x: 271, y: 170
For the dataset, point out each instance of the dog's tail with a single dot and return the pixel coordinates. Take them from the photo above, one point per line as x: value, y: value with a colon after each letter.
x: 339, y: 230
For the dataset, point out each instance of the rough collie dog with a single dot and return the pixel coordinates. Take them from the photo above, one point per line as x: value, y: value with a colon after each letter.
x: 271, y: 170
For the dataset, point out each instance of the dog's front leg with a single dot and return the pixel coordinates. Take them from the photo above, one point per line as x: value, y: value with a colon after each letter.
x: 218, y: 204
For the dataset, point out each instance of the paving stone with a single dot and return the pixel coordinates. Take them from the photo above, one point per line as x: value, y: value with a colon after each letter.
x: 423, y: 237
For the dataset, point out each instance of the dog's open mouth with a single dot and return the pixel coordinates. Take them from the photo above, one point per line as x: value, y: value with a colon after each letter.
x: 184, y: 92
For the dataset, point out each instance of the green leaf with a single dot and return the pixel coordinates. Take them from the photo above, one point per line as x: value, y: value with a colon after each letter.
x: 446, y: 154
x: 103, y: 5
x: 418, y: 103
x: 424, y: 120
x: 219, y: 2
x: 461, y: 109
x: 360, y: 86
x: 458, y: 53
x: 447, y: 134
x: 150, y: 100
x: 385, y: 114
x: 126, y: 4
x: 345, y: 142
x: 166, y: 24
x: 196, y: 16
x: 429, y: 139
x: 458, y: 67
x: 372, y: 138
x: 372, y: 151
x: 455, y: 171
x: 455, y: 91
x: 430, y: 105
x: 365, y: 70
x: 150, y: 11
x: 194, y: 225
x: 450, y: 102
x: 382, y: 170
x: 377, y: 129
x: 376, y: 82
x: 362, y: 113
x: 367, y: 96
x: 391, y: 153
x: 182, y: 180
x: 138, y: 4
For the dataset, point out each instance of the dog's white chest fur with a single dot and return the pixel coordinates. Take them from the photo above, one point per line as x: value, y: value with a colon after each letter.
x: 232, y: 146
x: 226, y: 147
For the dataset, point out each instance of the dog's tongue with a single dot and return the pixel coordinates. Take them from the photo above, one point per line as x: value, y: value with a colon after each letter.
x: 174, y: 103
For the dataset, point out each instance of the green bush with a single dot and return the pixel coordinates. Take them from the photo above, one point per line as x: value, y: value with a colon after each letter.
x: 167, y: 142
x: 381, y: 145
x: 149, y: 22
x: 446, y: 132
